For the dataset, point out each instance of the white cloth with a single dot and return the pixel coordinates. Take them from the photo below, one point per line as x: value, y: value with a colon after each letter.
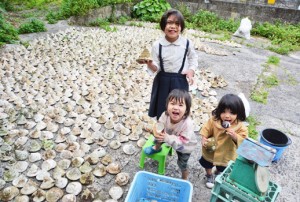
x: 173, y: 53
x: 180, y: 136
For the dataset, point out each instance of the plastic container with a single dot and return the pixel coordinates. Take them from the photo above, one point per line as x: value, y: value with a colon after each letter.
x: 271, y: 2
x: 148, y: 186
x: 228, y: 192
x: 275, y: 139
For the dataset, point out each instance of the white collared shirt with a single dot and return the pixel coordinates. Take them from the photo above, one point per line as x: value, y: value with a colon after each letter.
x: 173, y: 53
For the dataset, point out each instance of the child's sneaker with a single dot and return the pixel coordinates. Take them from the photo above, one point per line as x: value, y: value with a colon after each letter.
x: 210, y: 182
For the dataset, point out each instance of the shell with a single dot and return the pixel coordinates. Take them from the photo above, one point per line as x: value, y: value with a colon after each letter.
x: 73, y: 174
x: 68, y: 198
x: 47, y: 183
x: 115, y: 144
x: 61, y: 182
x: 49, y: 154
x: 77, y: 161
x: 29, y: 188
x: 122, y: 178
x: 32, y: 171
x: 33, y: 157
x: 86, y: 167
x: 116, y: 192
x: 64, y: 163
x: 129, y: 149
x: 99, y: 171
x: 113, y: 168
x: 48, y: 164
x: 87, y: 178
x: 54, y: 194
x: 21, y: 155
x: 87, y: 195
x: 9, y: 193
x: 41, y: 174
x: 20, y: 181
x: 39, y: 195
x: 74, y: 188
x: 141, y: 142
x: 10, y: 174
x: 109, y: 134
x: 107, y: 159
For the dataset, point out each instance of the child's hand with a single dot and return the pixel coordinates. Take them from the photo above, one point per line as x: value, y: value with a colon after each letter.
x: 159, y: 136
x: 189, y: 75
x: 232, y: 134
x: 204, y: 141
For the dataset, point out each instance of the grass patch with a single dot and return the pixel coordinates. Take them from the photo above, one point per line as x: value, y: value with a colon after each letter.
x: 260, y: 95
x: 271, y: 81
x: 273, y: 60
x: 31, y: 26
x: 253, y: 122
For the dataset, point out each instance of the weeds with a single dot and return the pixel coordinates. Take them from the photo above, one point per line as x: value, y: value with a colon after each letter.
x: 33, y: 25
x: 8, y: 34
x: 253, y: 122
x: 260, y: 95
x: 273, y: 60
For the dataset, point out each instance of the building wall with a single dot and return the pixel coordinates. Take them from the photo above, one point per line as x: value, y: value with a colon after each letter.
x: 256, y: 10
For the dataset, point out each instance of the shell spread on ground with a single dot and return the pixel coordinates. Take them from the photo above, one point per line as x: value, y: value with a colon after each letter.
x: 61, y: 105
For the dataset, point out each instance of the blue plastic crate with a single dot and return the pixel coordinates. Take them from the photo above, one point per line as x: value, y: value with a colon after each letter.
x: 150, y: 186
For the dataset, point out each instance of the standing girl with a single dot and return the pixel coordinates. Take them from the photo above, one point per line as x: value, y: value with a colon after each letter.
x: 174, y: 61
x: 178, y: 129
x: 228, y: 131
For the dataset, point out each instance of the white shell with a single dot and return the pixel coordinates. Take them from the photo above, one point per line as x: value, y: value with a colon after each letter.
x: 129, y: 149
x: 61, y: 182
x: 33, y: 157
x: 20, y: 181
x: 9, y: 193
x: 122, y: 178
x: 74, y: 188
x: 68, y: 198
x: 116, y: 192
x: 48, y: 164
x: 54, y: 194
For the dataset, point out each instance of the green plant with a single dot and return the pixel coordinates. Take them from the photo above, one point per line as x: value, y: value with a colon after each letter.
x: 186, y: 12
x: 122, y: 20
x: 285, y: 37
x: 77, y: 7
x: 273, y: 60
x: 271, y: 81
x: 53, y: 17
x: 253, y: 122
x: 31, y: 26
x: 150, y: 10
x: 260, y: 95
x: 137, y: 24
x: 103, y: 3
x: 103, y: 24
x: 8, y: 34
x: 211, y: 22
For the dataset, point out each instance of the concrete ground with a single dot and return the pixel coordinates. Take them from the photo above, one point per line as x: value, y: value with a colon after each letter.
x: 241, y: 69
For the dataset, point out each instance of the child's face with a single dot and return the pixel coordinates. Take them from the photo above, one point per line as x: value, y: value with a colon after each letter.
x: 227, y: 115
x: 176, y: 110
x: 172, y: 29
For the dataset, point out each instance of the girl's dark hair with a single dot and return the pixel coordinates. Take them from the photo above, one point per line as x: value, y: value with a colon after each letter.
x: 167, y: 14
x: 180, y: 95
x: 232, y: 102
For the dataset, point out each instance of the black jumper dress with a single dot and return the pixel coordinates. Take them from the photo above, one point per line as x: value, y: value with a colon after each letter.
x: 164, y: 83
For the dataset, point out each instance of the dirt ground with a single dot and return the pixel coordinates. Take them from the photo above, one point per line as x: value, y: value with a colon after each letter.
x: 241, y: 68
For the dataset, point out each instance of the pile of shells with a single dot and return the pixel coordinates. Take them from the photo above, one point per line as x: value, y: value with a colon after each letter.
x: 73, y: 106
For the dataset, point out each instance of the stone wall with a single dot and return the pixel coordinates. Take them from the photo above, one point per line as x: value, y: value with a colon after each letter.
x: 104, y: 12
x: 256, y: 10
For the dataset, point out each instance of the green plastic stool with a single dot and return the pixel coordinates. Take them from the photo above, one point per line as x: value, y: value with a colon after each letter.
x: 160, y: 156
